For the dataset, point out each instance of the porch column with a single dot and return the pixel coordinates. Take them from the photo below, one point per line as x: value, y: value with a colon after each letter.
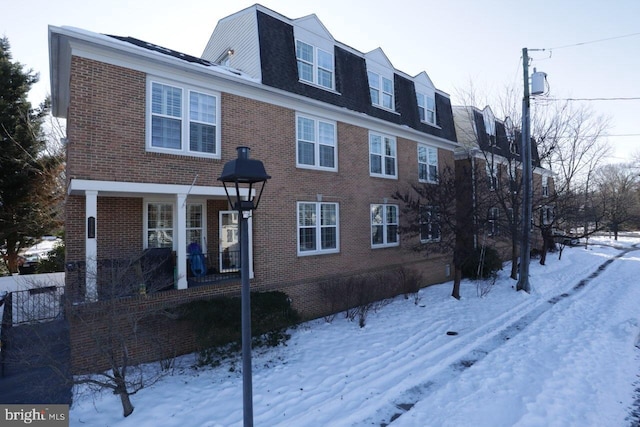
x: 180, y: 245
x: 91, y: 245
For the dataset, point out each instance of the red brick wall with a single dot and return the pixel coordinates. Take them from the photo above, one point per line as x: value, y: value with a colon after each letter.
x: 157, y: 334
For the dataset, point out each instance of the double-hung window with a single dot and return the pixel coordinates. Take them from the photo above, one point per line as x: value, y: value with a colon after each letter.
x: 546, y: 215
x: 493, y: 215
x: 159, y: 224
x: 429, y: 224
x: 384, y: 225
x: 492, y: 174
x: 427, y: 164
x: 316, y: 143
x: 315, y: 65
x: 183, y: 120
x: 381, y: 90
x: 545, y: 186
x: 383, y: 157
x: 426, y: 108
x: 318, y: 228
x: 195, y: 223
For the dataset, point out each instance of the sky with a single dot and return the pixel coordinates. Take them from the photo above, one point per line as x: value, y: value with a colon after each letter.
x: 591, y: 47
x: 564, y: 355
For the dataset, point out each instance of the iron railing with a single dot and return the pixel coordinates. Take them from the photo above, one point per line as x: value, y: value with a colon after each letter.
x: 34, y: 305
x: 213, y: 266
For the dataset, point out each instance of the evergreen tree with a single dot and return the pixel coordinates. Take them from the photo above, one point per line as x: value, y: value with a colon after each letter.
x: 28, y: 175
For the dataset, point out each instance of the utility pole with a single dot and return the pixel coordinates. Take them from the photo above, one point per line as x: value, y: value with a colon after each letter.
x: 527, y: 176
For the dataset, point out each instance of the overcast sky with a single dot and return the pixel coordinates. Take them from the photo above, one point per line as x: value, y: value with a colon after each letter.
x: 592, y: 46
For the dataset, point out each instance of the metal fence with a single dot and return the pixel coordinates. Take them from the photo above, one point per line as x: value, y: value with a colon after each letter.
x: 214, y: 267
x: 34, y: 305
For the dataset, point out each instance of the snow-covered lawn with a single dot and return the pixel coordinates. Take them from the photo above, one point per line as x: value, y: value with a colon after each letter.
x: 563, y: 355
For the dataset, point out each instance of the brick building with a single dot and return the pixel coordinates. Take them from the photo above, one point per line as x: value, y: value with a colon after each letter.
x: 149, y: 130
x: 489, y: 159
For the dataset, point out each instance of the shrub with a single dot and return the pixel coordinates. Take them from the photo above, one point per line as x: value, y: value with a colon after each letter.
x: 481, y: 265
x: 410, y: 282
x: 54, y: 262
x: 359, y: 294
x: 218, y: 323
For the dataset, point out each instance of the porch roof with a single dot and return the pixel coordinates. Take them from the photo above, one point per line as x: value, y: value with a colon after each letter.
x: 137, y: 189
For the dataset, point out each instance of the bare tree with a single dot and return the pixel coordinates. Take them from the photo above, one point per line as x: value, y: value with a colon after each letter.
x: 438, y: 220
x: 120, y: 329
x: 617, y: 193
x: 570, y: 144
x: 493, y: 148
x: 116, y: 334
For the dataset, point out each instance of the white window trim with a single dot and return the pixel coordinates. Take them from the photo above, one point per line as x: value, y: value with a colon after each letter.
x: 203, y: 228
x: 547, y: 215
x: 385, y: 225
x: 395, y: 157
x: 318, y: 228
x: 545, y: 186
x: 145, y: 220
x: 171, y: 201
x: 424, y: 97
x: 316, y: 66
x: 434, y: 211
x: 382, y: 91
x: 316, y: 144
x: 429, y: 148
x: 492, y: 174
x: 493, y: 218
x: 185, y: 120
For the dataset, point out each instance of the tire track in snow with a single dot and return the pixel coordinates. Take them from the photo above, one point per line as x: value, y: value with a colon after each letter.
x: 473, y: 349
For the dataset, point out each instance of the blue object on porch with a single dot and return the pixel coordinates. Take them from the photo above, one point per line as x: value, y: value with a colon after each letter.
x: 196, y: 259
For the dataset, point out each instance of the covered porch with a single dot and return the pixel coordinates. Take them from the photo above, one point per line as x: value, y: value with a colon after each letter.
x: 190, y: 225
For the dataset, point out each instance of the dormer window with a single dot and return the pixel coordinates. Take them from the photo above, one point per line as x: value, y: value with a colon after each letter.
x: 315, y: 66
x: 381, y: 90
x: 489, y: 125
x: 426, y: 108
x: 545, y: 186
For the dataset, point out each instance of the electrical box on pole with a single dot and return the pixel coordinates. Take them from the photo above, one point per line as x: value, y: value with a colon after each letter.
x: 537, y: 82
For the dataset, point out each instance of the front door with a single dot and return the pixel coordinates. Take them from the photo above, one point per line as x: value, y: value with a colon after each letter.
x: 229, y: 241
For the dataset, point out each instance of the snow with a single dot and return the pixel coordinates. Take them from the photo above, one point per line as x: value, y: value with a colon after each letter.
x: 228, y: 71
x: 563, y: 355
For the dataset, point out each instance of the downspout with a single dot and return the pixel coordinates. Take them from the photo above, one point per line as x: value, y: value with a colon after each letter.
x: 473, y: 201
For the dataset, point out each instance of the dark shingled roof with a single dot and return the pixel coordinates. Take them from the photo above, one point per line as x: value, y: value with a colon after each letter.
x: 163, y: 50
x: 280, y: 70
x: 501, y: 147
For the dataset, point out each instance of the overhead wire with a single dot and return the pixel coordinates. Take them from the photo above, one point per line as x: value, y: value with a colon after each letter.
x: 592, y: 41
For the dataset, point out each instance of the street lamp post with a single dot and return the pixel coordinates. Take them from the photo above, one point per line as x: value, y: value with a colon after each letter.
x: 245, y: 173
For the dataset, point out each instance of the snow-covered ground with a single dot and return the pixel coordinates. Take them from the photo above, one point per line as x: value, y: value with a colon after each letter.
x: 563, y: 355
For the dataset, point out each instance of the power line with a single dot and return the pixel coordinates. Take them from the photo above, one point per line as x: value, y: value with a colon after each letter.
x: 629, y: 98
x: 593, y: 41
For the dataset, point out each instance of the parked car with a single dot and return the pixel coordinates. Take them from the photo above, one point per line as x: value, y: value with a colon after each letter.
x: 32, y: 256
x: 565, y: 238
